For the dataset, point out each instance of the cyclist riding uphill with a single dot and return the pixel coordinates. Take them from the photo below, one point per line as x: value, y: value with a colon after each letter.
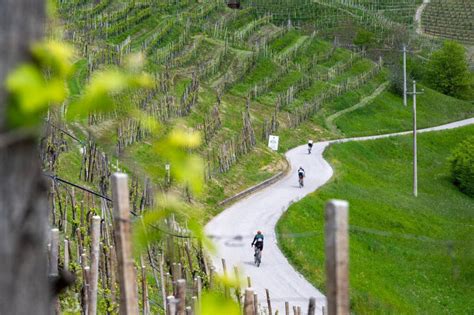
x: 301, y: 175
x: 258, y: 240
x: 310, y: 146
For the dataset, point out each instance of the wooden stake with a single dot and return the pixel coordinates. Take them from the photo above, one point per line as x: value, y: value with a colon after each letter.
x: 248, y: 302
x: 337, y: 257
x: 53, y: 256
x: 145, y: 301
x: 195, y: 305
x: 211, y: 277
x: 94, y: 270
x: 198, y: 287
x: 181, y: 295
x: 123, y: 240
x: 170, y: 305
x: 287, y: 308
x: 249, y: 282
x: 66, y: 255
x: 226, y: 288
x: 255, y: 303
x: 113, y: 270
x: 162, y: 279
x: 237, y: 289
x: 312, y: 306
x: 269, y: 303
x: 86, y: 274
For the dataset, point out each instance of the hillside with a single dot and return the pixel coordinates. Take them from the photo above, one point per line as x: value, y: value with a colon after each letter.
x: 407, y: 255
x: 279, y: 67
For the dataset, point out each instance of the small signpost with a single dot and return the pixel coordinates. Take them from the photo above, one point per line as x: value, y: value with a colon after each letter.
x: 273, y: 142
x: 168, y: 175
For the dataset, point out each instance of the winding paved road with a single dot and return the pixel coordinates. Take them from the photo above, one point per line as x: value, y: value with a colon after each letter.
x: 233, y: 229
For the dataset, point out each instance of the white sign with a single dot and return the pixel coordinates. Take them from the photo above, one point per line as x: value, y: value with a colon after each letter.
x: 273, y: 142
x: 167, y: 167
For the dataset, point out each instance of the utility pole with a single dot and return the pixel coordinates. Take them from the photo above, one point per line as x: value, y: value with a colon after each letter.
x: 404, y: 75
x: 415, y: 160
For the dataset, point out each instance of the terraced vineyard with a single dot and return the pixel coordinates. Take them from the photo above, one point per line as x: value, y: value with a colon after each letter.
x: 233, y: 74
x: 450, y: 19
x: 274, y: 67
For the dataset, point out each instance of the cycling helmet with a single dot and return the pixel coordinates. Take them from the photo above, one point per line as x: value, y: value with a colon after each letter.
x: 259, y: 232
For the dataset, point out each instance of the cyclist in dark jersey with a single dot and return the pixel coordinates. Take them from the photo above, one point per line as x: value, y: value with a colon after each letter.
x: 258, y: 240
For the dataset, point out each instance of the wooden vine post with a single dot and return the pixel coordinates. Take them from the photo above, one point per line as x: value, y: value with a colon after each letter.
x: 249, y: 308
x: 94, y: 271
x: 123, y: 241
x: 337, y: 257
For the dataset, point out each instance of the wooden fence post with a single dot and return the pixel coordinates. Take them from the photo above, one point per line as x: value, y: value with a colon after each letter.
x: 123, y: 241
x: 337, y: 257
x: 66, y: 254
x: 194, y: 305
x: 94, y: 271
x: 269, y: 303
x: 54, y: 252
x: 248, y: 302
x: 287, y: 308
x: 312, y: 306
x: 255, y: 303
x: 226, y: 288
x: 181, y: 295
x: 145, y: 301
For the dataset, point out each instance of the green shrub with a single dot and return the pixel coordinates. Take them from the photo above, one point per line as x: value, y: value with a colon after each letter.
x: 448, y: 70
x: 462, y: 166
x: 364, y: 39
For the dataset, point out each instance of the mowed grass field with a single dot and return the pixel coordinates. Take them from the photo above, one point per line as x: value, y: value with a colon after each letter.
x: 407, y: 255
x: 386, y: 113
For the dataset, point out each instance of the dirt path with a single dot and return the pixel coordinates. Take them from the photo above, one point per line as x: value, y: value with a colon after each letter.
x: 419, y: 12
x: 233, y: 229
x: 366, y: 100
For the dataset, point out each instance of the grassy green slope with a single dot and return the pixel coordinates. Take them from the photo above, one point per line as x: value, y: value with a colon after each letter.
x: 387, y: 114
x: 407, y: 265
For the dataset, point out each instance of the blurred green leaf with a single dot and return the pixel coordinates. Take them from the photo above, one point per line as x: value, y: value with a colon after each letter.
x: 103, y: 87
x: 214, y: 303
x: 187, y: 168
x: 56, y: 56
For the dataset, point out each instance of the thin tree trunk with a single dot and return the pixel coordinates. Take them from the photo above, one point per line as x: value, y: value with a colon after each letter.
x: 24, y: 287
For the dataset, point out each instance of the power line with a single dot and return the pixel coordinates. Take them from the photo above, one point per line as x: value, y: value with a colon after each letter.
x: 56, y: 178
x: 65, y: 132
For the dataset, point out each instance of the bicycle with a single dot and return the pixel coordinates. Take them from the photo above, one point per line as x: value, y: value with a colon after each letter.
x: 257, y: 256
x: 300, y: 181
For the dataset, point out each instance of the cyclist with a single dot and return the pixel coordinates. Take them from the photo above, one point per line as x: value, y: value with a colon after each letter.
x: 310, y: 146
x: 301, y: 175
x: 258, y: 241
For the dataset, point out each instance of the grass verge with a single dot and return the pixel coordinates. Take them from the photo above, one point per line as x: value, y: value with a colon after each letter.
x: 422, y: 262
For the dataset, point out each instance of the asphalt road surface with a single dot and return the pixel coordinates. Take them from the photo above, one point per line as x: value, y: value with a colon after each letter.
x: 234, y: 228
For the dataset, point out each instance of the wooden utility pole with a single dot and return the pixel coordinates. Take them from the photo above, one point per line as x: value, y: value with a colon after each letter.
x: 94, y: 271
x: 337, y: 257
x: 123, y: 241
x: 24, y: 285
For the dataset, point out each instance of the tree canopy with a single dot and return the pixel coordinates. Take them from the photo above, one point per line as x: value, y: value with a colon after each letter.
x: 448, y: 70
